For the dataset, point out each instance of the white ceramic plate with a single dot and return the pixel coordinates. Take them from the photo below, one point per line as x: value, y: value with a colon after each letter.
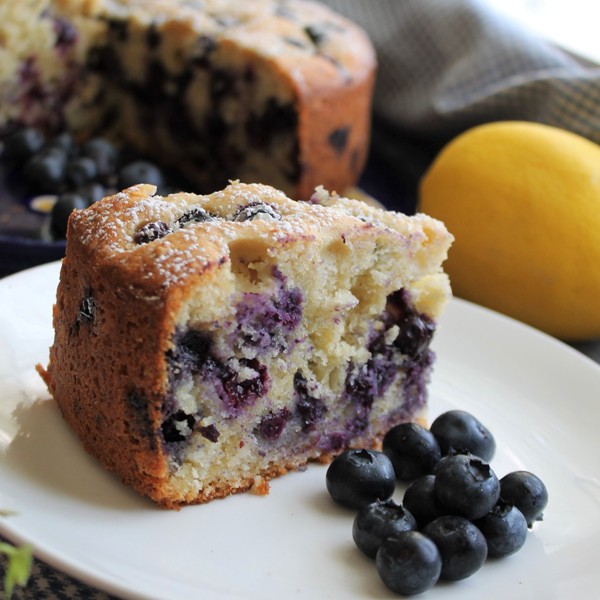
x: 539, y: 397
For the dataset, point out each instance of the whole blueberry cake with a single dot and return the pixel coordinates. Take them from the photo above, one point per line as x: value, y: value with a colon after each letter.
x: 205, y: 344
x: 270, y: 91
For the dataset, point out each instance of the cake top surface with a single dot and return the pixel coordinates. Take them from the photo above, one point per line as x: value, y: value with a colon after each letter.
x: 283, y: 30
x: 170, y: 238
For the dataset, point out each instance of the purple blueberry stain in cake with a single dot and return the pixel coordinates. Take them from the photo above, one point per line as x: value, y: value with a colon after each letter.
x: 105, y: 59
x: 204, y: 47
x: 87, y: 307
x: 237, y: 383
x: 274, y: 120
x: 150, y: 232
x: 338, y: 139
x: 86, y: 313
x: 137, y: 411
x: 366, y: 382
x: 118, y: 30
x: 222, y: 84
x: 308, y: 407
x: 407, y: 352
x: 415, y: 382
x: 66, y: 35
x: 242, y: 386
x: 334, y: 442
x: 266, y: 320
x: 271, y: 425
x: 153, y: 37
x: 210, y: 432
x: 416, y: 330
x: 191, y: 350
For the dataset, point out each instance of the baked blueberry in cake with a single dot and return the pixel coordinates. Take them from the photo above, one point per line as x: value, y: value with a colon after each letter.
x: 205, y: 344
x: 268, y: 91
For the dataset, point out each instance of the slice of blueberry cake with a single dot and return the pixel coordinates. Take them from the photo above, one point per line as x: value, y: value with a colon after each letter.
x: 271, y: 91
x: 205, y: 344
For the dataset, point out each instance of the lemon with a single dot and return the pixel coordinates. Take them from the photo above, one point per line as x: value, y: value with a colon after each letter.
x: 523, y: 202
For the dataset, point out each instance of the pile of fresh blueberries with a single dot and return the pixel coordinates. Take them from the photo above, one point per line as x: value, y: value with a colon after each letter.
x: 455, y: 512
x: 75, y: 174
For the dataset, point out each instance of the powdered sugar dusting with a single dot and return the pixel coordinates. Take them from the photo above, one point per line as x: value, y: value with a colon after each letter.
x: 188, y: 245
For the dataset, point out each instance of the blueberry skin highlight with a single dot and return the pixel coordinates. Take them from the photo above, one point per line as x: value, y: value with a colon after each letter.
x: 459, y: 431
x: 462, y: 546
x: 466, y: 486
x: 413, y: 450
x: 22, y: 144
x: 378, y: 521
x: 527, y: 492
x: 356, y: 478
x: 409, y: 563
x: 504, y: 528
x: 65, y: 204
x: 140, y: 171
x: 419, y: 498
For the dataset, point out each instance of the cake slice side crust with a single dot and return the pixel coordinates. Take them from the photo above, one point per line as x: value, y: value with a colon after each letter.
x: 251, y: 335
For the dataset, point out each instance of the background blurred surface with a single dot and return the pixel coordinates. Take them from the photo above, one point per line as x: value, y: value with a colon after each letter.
x: 572, y: 24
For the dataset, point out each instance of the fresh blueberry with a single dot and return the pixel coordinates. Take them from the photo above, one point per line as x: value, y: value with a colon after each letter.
x: 377, y: 521
x: 92, y: 192
x: 195, y: 215
x: 139, y: 171
x: 409, y: 563
x: 356, y: 478
x: 45, y: 173
x: 271, y: 425
x: 419, y: 498
x: 527, y: 492
x: 87, y: 308
x: 460, y: 431
x: 21, y: 144
x: 462, y: 546
x: 413, y: 450
x: 257, y: 210
x: 466, y: 485
x: 63, y: 207
x: 416, y: 332
x: 65, y: 142
x: 309, y: 407
x: 151, y: 231
x: 80, y: 171
x: 104, y: 154
x: 504, y: 528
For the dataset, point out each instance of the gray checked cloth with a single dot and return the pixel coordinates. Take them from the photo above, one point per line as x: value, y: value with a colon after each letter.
x: 448, y: 65
x: 444, y: 66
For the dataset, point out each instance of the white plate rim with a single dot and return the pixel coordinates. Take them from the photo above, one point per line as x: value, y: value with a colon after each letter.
x: 550, y: 351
